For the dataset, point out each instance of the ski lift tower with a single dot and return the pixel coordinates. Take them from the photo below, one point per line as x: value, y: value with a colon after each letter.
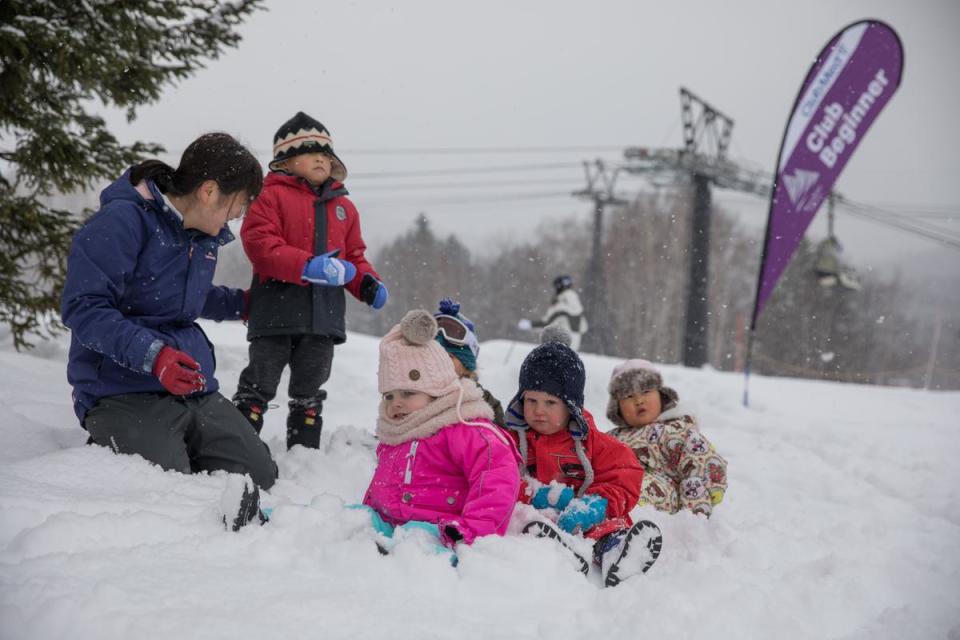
x: 706, y: 136
x: 601, y: 181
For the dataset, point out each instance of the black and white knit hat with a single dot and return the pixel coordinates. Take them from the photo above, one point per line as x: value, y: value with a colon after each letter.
x: 302, y: 134
x: 636, y: 376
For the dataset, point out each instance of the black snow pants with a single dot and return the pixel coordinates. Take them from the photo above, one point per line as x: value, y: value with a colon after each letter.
x: 310, y: 358
x: 205, y: 433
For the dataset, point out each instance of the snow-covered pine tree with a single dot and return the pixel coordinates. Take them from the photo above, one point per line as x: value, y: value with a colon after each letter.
x: 58, y: 60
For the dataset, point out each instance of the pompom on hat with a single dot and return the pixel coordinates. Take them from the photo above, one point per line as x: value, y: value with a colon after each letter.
x: 302, y: 134
x: 556, y: 333
x: 555, y: 368
x: 411, y: 359
x: 636, y: 376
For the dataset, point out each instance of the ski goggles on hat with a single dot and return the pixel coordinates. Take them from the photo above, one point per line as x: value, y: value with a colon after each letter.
x: 457, y: 333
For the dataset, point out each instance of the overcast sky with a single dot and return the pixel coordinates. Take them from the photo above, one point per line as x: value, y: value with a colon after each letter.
x: 584, y: 80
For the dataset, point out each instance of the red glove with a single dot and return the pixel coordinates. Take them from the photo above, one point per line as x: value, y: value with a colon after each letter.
x: 178, y: 373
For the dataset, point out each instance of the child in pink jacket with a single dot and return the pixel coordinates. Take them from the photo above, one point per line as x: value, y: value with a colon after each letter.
x: 442, y: 465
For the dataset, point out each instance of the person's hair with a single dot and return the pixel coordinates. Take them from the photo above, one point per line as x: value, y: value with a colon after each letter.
x: 212, y: 156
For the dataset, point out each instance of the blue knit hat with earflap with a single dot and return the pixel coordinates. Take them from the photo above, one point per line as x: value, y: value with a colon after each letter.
x: 466, y: 353
x: 554, y: 368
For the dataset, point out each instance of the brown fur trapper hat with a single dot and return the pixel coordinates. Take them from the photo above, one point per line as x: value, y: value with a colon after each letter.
x: 636, y: 376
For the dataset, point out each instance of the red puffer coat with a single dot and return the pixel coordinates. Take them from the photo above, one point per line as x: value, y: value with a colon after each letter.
x: 289, y: 223
x: 617, y: 475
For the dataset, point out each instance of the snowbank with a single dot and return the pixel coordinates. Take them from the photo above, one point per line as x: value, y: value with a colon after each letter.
x: 842, y: 520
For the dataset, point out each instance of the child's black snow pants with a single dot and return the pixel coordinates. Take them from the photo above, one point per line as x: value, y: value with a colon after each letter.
x: 310, y: 358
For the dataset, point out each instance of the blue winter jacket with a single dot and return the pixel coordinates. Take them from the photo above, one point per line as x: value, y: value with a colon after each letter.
x: 137, y: 281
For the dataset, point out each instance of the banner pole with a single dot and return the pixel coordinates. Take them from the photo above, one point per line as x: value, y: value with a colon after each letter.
x: 746, y: 369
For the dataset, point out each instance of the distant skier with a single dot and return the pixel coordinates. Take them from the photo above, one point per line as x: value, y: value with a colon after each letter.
x: 565, y: 311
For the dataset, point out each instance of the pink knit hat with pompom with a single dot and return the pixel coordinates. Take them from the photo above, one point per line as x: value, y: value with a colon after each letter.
x: 411, y: 359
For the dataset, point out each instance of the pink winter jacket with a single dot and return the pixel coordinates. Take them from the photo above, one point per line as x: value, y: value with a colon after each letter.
x: 465, y: 477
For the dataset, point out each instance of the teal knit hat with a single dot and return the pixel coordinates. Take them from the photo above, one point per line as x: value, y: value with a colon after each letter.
x: 466, y: 353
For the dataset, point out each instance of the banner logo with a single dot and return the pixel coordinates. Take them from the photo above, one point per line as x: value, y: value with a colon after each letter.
x: 799, y: 184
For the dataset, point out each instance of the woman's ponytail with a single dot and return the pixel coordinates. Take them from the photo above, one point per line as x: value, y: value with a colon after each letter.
x: 212, y: 156
x: 160, y: 172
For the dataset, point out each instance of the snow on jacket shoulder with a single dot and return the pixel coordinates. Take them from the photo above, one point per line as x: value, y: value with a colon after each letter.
x: 463, y: 475
x: 136, y: 280
x: 286, y: 225
x: 674, y: 447
x: 617, y: 475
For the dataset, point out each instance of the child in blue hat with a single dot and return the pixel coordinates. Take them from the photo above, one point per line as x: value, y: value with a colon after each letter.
x: 458, y: 335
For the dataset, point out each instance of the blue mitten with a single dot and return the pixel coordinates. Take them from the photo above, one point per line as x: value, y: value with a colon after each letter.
x: 328, y: 270
x: 583, y: 513
x: 542, y: 498
x: 373, y: 292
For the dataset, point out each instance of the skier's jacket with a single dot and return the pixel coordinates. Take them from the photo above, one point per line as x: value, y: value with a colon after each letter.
x: 565, y: 311
x: 616, y: 474
x: 137, y: 281
x: 463, y: 475
x: 289, y: 223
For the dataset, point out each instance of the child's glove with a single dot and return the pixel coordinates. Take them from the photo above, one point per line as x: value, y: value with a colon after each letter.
x: 583, y: 513
x: 524, y: 324
x: 450, y: 535
x: 550, y: 498
x: 328, y: 270
x: 373, y: 292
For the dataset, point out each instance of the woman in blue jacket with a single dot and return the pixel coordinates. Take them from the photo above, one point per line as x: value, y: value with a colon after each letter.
x: 139, y: 275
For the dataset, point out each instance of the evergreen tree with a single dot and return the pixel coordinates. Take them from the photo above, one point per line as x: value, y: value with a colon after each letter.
x: 56, y: 59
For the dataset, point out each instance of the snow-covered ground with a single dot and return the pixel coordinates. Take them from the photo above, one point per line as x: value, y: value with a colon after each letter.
x: 842, y: 520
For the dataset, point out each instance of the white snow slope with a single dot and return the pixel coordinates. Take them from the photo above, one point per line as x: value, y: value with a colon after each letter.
x: 842, y: 520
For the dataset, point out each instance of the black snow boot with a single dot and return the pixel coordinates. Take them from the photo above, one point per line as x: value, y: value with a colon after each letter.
x: 628, y: 552
x: 545, y: 530
x: 240, y: 503
x: 303, y: 427
x: 253, y: 412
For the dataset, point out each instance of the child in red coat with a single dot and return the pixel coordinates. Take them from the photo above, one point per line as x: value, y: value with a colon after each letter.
x: 585, y: 479
x: 302, y: 236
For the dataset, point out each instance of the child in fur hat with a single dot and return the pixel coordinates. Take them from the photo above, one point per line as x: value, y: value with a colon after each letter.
x: 573, y: 473
x: 458, y: 336
x: 682, y: 469
x: 442, y: 465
